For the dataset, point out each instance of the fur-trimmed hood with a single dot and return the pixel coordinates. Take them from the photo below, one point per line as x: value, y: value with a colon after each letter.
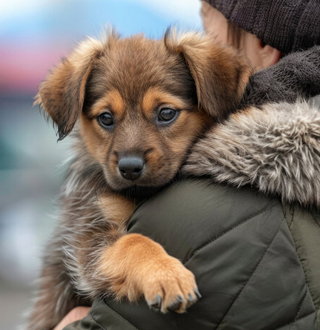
x: 275, y: 148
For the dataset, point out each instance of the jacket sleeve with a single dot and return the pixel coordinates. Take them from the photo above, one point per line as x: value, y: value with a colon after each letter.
x: 238, y: 245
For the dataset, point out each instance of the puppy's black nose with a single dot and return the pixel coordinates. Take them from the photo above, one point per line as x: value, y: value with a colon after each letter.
x: 131, y: 167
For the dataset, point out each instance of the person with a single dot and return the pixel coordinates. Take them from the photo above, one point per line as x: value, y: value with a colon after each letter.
x: 250, y: 229
x: 260, y: 55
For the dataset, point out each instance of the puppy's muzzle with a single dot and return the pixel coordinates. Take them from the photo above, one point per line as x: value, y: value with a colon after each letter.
x: 131, y: 166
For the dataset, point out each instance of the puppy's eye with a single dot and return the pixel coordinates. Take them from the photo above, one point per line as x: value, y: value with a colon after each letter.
x: 106, y: 120
x: 167, y: 115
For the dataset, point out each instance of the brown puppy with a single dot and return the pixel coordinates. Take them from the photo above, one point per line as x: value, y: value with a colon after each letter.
x: 135, y: 106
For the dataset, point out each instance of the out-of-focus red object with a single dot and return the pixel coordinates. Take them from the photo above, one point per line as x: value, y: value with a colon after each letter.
x: 22, y: 68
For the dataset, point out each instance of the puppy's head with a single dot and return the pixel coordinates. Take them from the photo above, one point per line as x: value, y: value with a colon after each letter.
x: 140, y: 103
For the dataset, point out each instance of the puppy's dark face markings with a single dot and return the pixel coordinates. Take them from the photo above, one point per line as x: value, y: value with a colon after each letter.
x: 143, y: 116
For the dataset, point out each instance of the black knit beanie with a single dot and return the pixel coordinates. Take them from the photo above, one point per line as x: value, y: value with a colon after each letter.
x: 287, y: 25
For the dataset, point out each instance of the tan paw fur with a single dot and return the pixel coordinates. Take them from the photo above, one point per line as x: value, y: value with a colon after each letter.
x: 135, y: 266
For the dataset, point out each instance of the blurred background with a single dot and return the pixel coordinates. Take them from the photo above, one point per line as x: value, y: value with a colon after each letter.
x: 34, y: 35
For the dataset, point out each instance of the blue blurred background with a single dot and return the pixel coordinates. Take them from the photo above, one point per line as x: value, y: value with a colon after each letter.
x: 34, y: 35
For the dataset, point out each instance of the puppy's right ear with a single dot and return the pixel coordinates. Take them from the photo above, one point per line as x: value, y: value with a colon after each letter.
x: 62, y: 93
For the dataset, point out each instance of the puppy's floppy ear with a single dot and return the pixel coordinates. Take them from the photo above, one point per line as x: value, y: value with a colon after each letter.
x: 62, y: 93
x: 219, y: 72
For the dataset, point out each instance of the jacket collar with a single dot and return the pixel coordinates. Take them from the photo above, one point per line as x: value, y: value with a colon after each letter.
x: 275, y: 148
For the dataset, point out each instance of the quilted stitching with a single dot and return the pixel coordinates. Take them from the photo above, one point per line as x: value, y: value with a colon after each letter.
x: 290, y: 325
x: 257, y: 266
x: 228, y: 231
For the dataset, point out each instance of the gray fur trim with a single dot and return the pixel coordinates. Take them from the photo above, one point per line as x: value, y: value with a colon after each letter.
x: 276, y: 149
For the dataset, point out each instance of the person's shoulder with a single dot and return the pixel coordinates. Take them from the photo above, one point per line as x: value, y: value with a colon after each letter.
x: 190, y: 208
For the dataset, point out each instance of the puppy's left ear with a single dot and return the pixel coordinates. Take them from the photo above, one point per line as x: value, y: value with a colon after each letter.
x: 219, y: 72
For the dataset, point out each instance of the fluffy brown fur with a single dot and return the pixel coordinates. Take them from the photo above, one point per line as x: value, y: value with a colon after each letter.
x: 90, y: 253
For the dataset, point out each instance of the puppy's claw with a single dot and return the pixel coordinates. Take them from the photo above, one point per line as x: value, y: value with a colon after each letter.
x: 191, y: 300
x: 156, y: 304
x: 197, y: 293
x: 176, y: 305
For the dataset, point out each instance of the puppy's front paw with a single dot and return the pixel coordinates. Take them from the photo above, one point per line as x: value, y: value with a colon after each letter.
x: 135, y: 265
x: 168, y: 285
